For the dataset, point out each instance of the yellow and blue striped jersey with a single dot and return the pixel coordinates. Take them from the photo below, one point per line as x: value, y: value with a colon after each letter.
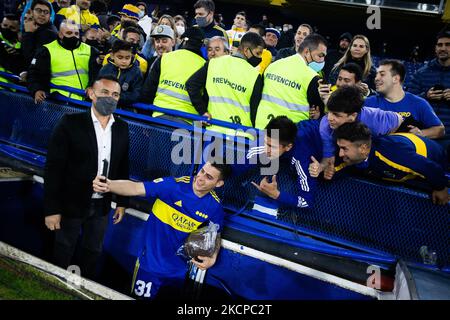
x: 403, y: 156
x: 176, y: 212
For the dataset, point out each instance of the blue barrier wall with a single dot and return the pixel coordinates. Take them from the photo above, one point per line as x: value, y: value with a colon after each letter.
x: 387, y: 218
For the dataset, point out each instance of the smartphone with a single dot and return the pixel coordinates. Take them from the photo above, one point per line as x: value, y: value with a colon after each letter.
x: 437, y: 87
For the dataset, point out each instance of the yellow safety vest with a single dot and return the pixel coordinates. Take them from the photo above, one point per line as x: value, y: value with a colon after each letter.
x: 15, y: 46
x: 229, y: 84
x: 285, y: 90
x: 64, y: 72
x: 176, y: 68
x: 2, y: 79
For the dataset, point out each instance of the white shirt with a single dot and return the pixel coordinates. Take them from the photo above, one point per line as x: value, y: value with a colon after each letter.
x: 103, y: 137
x: 146, y: 24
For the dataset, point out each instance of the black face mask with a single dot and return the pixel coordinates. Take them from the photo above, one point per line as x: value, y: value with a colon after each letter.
x: 70, y: 43
x: 8, y: 34
x: 92, y: 43
x: 253, y: 60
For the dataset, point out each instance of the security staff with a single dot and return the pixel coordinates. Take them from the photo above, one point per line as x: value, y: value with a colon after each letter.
x: 396, y: 157
x: 165, y: 86
x: 11, y: 57
x: 290, y: 84
x: 9, y: 31
x: 233, y: 85
x: 64, y: 62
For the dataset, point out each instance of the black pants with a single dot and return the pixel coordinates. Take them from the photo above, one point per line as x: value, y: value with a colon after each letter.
x: 93, y: 227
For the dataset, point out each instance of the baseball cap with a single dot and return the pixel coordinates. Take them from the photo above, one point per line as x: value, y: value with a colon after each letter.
x: 346, y: 35
x: 193, y: 34
x: 163, y: 31
x: 443, y: 34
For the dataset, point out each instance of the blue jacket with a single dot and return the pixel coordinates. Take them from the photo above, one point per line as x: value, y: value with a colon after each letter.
x: 307, y: 143
x: 425, y: 78
x: 130, y: 80
x: 213, y: 30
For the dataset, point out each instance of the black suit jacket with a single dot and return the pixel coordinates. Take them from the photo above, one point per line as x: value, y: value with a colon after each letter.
x: 71, y: 165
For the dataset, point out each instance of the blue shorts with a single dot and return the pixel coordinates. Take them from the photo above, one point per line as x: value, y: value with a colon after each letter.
x: 145, y: 285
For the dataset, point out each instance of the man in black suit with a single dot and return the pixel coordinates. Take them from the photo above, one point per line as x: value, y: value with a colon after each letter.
x: 76, y: 152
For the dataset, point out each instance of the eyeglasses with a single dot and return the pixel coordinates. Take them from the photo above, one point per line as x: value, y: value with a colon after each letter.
x: 40, y: 11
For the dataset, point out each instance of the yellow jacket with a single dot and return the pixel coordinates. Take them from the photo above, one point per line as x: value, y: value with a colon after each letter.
x: 266, y: 60
x: 235, y: 35
x: 84, y: 18
x: 143, y: 64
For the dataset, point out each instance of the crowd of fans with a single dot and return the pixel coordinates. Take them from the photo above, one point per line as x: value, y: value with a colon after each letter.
x: 174, y: 63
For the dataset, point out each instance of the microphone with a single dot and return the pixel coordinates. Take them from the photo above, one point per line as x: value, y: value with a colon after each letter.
x: 105, y: 170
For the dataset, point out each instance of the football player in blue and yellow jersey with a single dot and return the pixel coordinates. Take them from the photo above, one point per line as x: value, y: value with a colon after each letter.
x: 396, y: 157
x: 181, y: 206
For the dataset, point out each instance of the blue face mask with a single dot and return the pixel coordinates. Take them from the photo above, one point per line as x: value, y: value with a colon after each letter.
x: 202, y: 21
x: 316, y: 66
x: 105, y: 105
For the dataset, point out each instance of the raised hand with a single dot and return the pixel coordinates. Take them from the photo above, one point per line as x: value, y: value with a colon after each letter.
x: 329, y: 171
x: 314, y: 168
x: 324, y: 91
x: 268, y: 188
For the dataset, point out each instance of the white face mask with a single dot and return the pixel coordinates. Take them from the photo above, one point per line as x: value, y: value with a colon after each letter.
x: 180, y: 30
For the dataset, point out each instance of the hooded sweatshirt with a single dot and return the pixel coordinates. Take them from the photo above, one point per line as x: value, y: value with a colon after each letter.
x: 130, y: 80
